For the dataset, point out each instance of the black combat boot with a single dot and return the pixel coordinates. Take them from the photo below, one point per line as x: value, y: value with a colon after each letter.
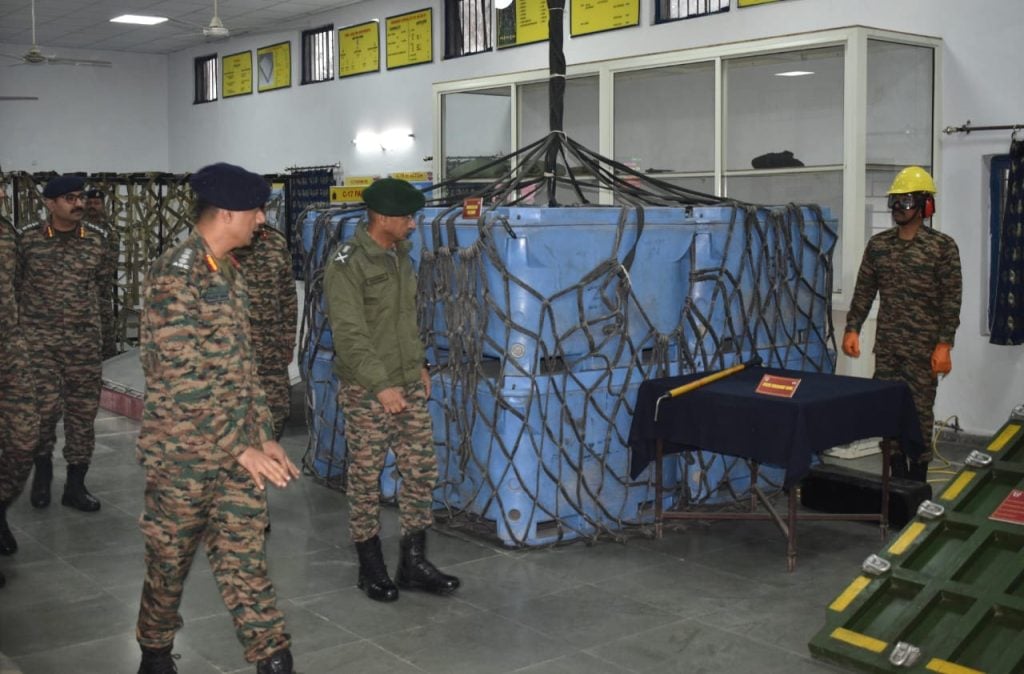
x: 158, y: 661
x: 8, y: 546
x: 278, y: 663
x: 373, y: 573
x: 40, y: 494
x: 416, y: 572
x: 75, y: 493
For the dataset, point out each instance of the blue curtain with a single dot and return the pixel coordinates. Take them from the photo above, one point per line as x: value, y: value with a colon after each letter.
x: 1007, y: 326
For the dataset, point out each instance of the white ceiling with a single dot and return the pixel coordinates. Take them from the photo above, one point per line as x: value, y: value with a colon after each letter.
x: 85, y: 24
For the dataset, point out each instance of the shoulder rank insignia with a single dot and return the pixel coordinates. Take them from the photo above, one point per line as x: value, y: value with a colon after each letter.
x: 344, y: 253
x: 102, y: 231
x: 184, y: 259
x: 27, y: 228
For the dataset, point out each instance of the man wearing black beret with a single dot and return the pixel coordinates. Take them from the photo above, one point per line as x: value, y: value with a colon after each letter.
x: 207, y: 438
x: 64, y: 267
x: 370, y: 286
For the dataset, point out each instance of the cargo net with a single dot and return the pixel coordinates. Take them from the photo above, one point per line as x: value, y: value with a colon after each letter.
x: 543, y: 322
x: 148, y: 213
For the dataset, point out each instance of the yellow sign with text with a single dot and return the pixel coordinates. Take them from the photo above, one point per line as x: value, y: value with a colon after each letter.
x: 413, y: 176
x: 359, y: 181
x: 410, y: 38
x: 274, y: 67
x: 341, y: 194
x: 597, y: 16
x: 359, y: 49
x: 751, y: 3
x: 524, y: 22
x: 236, y: 79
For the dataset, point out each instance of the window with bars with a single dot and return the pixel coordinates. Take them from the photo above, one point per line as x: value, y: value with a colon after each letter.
x: 206, y: 79
x: 318, y: 54
x: 468, y: 27
x: 673, y: 10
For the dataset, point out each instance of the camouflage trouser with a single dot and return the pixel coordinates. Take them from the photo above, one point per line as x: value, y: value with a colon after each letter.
x: 278, y: 388
x: 19, y: 425
x: 370, y: 432
x: 223, y: 507
x: 67, y: 384
x: 917, y: 372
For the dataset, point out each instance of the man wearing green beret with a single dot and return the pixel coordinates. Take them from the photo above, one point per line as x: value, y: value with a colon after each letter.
x: 370, y: 286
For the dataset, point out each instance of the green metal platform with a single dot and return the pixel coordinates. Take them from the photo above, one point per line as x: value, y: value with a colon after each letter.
x: 947, y: 595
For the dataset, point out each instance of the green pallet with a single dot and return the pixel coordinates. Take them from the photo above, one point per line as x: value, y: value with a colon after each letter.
x: 954, y: 589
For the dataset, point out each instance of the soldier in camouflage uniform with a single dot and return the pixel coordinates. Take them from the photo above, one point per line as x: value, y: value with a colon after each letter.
x: 64, y: 265
x: 19, y: 417
x: 370, y: 287
x: 96, y: 213
x: 206, y: 441
x: 273, y: 314
x: 916, y: 272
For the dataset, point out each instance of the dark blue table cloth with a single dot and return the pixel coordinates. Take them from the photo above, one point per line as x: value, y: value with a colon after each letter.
x: 728, y: 417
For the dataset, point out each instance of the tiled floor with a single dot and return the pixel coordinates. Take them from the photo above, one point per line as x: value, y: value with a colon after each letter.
x: 704, y: 599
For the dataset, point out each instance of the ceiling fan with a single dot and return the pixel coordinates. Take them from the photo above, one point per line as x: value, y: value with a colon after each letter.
x: 215, y: 30
x: 35, y: 56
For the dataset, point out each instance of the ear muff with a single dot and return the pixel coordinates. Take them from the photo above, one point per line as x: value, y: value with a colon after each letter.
x: 929, y: 206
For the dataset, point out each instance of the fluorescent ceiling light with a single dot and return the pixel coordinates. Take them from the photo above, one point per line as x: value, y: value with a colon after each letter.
x: 795, y: 73
x: 141, y: 20
x: 502, y: 4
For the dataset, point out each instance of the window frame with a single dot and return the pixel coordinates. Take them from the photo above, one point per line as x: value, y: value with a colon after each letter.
x: 450, y: 38
x: 306, y: 47
x: 205, y: 81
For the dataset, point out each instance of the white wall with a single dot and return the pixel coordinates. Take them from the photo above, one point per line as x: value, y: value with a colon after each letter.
x: 315, y: 124
x: 87, y: 118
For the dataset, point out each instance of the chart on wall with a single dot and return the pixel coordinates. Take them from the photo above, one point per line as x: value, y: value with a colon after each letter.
x: 274, y: 67
x: 598, y: 16
x: 237, y: 74
x: 410, y: 38
x: 523, y: 22
x: 359, y: 49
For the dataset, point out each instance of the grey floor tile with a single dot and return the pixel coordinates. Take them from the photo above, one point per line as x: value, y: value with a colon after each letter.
x: 482, y: 643
x: 504, y: 578
x: 689, y: 647
x: 363, y: 657
x: 110, y: 568
x: 100, y: 656
x: 573, y: 663
x: 42, y: 582
x: 354, y: 611
x: 585, y: 615
x: 31, y: 629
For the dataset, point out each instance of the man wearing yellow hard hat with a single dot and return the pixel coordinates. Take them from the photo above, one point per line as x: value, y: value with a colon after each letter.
x: 915, y: 270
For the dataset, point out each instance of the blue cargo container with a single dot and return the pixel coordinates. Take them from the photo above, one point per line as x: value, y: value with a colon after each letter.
x: 544, y: 458
x: 706, y: 287
x: 330, y: 451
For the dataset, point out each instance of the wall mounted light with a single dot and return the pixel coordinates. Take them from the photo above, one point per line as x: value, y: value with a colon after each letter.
x: 389, y: 140
x: 502, y: 4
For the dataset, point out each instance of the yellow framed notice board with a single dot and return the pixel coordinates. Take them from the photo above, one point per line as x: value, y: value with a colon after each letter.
x: 751, y: 3
x: 236, y: 74
x: 523, y: 22
x: 274, y: 67
x: 359, y: 49
x: 597, y: 16
x: 410, y: 38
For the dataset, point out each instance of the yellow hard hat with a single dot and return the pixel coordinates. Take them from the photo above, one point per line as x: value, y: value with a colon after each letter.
x: 912, y: 179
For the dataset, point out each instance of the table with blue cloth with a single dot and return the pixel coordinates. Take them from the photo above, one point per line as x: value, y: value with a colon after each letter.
x: 727, y: 416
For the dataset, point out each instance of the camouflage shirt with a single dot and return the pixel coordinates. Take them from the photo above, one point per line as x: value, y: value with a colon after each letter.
x: 371, y: 305
x: 12, y: 342
x: 919, y: 282
x: 61, y: 278
x: 273, y: 314
x: 203, y: 396
x: 108, y: 293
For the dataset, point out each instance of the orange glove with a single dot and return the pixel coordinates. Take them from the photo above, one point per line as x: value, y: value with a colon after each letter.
x: 941, y: 362
x: 851, y: 344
